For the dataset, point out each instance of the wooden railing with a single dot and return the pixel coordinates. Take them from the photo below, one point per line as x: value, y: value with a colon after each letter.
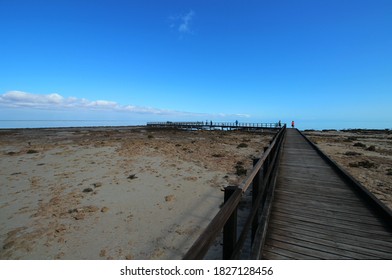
x: 213, y: 124
x: 262, y: 179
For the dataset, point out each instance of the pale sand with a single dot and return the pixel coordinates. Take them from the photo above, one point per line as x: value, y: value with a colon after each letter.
x: 365, y: 154
x: 70, y: 193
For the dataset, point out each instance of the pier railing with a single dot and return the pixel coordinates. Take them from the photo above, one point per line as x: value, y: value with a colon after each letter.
x: 210, y: 125
x: 262, y: 179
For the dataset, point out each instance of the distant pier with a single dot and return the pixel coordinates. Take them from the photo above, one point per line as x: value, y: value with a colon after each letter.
x: 215, y: 125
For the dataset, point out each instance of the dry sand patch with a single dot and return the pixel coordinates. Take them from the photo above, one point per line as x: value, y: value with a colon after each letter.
x: 114, y: 193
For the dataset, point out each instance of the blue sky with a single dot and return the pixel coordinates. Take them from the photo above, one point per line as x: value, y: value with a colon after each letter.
x: 322, y: 63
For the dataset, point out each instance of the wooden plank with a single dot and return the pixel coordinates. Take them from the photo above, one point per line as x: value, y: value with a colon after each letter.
x: 309, y: 218
x: 330, y: 196
x: 346, y: 242
x: 327, y: 195
x: 277, y: 253
x: 317, y: 166
x: 284, y: 175
x: 363, y: 230
x: 350, y: 250
x: 313, y: 184
x: 326, y: 206
x: 307, y: 181
x: 274, y: 255
x: 344, y: 235
x: 316, y: 187
x: 327, y: 203
x: 323, y: 245
x: 303, y: 248
x: 330, y: 213
x: 335, y: 230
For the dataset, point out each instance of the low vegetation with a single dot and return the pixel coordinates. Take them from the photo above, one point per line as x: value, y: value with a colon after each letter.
x: 359, y: 144
x: 371, y: 148
x: 351, y: 153
x: 240, y: 170
x: 350, y: 139
x: 242, y: 145
x: 364, y: 164
x: 217, y: 155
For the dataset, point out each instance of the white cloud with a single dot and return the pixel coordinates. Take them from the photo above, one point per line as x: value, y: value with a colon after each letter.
x: 54, y: 101
x: 185, y: 22
x: 235, y: 115
x: 102, y: 104
x: 182, y: 23
x: 19, y: 99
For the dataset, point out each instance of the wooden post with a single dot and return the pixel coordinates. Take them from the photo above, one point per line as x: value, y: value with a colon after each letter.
x: 230, y: 228
x: 255, y: 193
x: 265, y: 165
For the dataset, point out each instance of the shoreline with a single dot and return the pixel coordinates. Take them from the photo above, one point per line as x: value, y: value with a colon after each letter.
x: 306, y: 130
x: 303, y: 125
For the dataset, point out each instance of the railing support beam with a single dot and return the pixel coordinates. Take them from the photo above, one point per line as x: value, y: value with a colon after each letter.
x: 230, y: 228
x: 255, y: 192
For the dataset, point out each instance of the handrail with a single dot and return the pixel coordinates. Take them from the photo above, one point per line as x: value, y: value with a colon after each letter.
x: 265, y: 195
x: 248, y: 180
x: 268, y: 164
x: 214, y: 124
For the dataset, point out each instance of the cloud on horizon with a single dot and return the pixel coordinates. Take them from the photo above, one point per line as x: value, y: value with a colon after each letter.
x: 20, y: 99
x: 54, y: 101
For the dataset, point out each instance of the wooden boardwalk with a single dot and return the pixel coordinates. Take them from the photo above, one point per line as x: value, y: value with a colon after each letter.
x: 316, y: 214
x: 215, y: 125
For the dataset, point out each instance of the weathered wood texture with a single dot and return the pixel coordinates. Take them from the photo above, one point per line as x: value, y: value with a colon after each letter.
x: 316, y: 214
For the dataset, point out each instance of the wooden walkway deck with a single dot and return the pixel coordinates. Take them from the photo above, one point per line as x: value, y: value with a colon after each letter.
x: 316, y: 214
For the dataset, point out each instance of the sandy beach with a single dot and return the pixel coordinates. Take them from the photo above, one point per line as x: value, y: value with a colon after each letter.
x: 365, y: 154
x: 142, y: 193
x: 115, y: 193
